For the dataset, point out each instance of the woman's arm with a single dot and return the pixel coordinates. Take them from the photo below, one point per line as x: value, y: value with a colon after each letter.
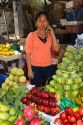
x: 55, y: 43
x: 30, y: 72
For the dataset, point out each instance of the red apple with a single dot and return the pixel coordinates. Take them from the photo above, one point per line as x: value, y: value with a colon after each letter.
x: 45, y: 102
x: 40, y: 107
x: 77, y: 115
x: 69, y: 111
x: 34, y: 98
x: 65, y: 121
x: 46, y: 109
x: 71, y: 119
x: 29, y: 95
x: 52, y: 103
x: 24, y: 100
x: 80, y: 111
x: 52, y: 95
x: 58, y: 120
x: 67, y: 124
x: 79, y: 122
x: 54, y: 111
x: 34, y: 90
x: 63, y: 116
x: 46, y: 95
x: 74, y: 124
x: 39, y: 100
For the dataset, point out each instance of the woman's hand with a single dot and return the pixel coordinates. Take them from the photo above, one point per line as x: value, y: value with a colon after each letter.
x: 30, y: 74
x: 50, y: 29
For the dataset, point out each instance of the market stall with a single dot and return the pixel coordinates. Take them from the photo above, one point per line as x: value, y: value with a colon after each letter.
x: 60, y: 101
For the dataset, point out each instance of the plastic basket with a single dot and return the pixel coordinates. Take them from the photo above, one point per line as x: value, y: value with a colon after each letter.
x: 2, y: 78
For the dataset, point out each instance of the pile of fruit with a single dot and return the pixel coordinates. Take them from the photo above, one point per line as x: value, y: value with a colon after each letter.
x: 67, y: 79
x: 15, y: 78
x: 45, y: 101
x: 30, y: 117
x: 6, y: 50
x: 11, y: 91
x: 79, y: 98
x: 69, y: 117
x: 8, y: 114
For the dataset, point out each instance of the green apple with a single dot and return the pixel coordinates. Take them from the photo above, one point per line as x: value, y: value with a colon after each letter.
x: 70, y: 68
x: 77, y: 80
x: 66, y: 61
x: 59, y: 80
x: 54, y: 77
x: 73, y: 75
x: 47, y: 87
x: 65, y: 75
x: 78, y: 57
x: 60, y: 66
x: 59, y: 73
x: 52, y: 90
x: 66, y: 87
x: 52, y: 83
x: 69, y: 81
x: 74, y: 93
x: 58, y: 87
x: 75, y: 86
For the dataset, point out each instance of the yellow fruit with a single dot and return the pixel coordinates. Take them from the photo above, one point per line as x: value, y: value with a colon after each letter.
x: 8, y: 46
x: 3, y: 46
x: 5, y: 123
x: 1, y: 53
x: 4, y: 108
x: 75, y: 109
x: 4, y: 115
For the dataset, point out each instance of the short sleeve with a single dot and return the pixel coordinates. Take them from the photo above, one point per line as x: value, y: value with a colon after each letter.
x: 29, y: 43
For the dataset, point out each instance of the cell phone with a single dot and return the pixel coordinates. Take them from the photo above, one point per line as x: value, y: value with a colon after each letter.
x: 48, y: 29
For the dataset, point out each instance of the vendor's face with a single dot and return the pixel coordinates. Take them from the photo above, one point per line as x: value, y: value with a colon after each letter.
x: 42, y: 22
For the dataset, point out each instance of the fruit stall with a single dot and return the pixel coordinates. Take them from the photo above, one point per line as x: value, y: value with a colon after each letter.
x: 59, y: 102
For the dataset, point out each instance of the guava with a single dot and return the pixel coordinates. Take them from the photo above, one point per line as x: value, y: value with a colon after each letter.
x: 14, y: 71
x: 66, y: 61
x: 69, y: 81
x: 20, y: 72
x: 66, y: 87
x: 65, y: 75
x: 11, y: 77
x: 22, y: 79
x: 70, y: 68
x: 60, y: 66
x: 74, y: 86
x: 59, y: 73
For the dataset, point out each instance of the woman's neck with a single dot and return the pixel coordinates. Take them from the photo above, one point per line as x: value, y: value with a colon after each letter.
x: 41, y: 32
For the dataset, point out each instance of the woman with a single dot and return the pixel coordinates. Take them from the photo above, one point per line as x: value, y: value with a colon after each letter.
x: 38, y: 50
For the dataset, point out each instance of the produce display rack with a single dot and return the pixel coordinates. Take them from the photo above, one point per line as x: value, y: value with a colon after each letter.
x: 6, y: 59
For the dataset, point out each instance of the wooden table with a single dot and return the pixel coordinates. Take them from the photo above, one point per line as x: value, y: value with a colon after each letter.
x: 9, y: 59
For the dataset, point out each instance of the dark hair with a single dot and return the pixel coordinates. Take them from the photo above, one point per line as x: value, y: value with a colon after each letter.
x: 41, y: 12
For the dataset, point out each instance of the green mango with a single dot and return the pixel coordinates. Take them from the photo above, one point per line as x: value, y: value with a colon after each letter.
x: 74, y: 86
x: 12, y: 118
x: 12, y: 111
x: 5, y: 123
x: 4, y: 108
x: 4, y: 115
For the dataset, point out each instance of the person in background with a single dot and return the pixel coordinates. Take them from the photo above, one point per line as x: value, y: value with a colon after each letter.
x: 39, y: 44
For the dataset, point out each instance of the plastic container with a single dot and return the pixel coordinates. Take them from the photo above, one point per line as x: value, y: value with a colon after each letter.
x: 2, y: 78
x: 74, y: 14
